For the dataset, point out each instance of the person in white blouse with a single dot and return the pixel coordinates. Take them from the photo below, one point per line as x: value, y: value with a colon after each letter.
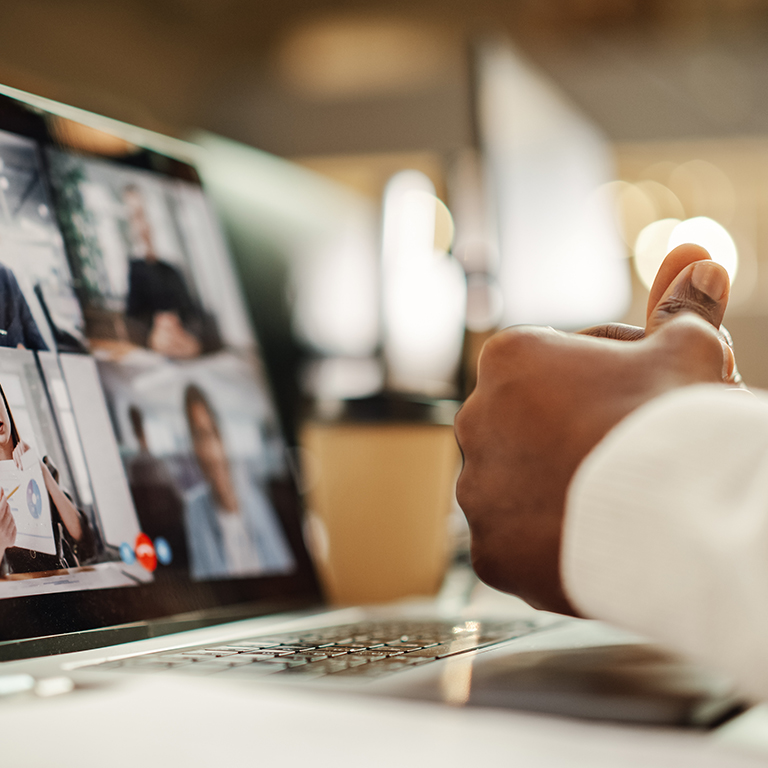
x: 628, y: 481
x: 232, y: 527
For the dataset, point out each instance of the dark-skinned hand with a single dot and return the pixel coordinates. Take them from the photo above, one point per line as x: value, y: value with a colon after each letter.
x: 544, y: 399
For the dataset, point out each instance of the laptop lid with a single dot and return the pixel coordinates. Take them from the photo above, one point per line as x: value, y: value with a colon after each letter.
x: 144, y: 474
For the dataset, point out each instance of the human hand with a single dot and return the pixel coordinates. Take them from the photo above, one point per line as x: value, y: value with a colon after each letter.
x: 169, y: 337
x: 544, y: 399
x: 19, y: 451
x: 7, y: 525
x: 674, y: 290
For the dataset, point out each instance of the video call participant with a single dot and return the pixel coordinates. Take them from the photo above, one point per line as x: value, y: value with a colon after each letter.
x: 230, y: 526
x: 17, y: 326
x: 638, y: 492
x: 161, y: 313
x: 74, y: 536
x: 158, y: 502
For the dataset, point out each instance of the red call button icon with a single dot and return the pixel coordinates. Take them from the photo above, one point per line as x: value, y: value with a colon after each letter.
x: 145, y: 552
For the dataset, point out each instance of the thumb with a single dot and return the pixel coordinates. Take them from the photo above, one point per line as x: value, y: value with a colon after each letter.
x: 702, y: 288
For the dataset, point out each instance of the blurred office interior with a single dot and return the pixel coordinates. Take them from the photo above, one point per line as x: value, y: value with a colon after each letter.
x: 399, y: 179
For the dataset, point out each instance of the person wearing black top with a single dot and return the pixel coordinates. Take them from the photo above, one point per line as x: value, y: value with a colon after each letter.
x: 161, y: 312
x: 17, y: 326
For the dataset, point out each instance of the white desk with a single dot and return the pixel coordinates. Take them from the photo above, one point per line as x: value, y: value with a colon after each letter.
x: 169, y: 721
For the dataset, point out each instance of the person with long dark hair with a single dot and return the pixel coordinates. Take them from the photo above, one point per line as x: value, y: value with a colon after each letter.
x: 72, y: 531
x: 231, y: 525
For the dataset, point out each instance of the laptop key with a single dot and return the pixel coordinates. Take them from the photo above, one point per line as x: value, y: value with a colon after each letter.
x: 251, y: 657
x: 284, y: 649
x: 447, y: 649
x: 381, y: 652
x: 408, y: 646
x: 344, y: 647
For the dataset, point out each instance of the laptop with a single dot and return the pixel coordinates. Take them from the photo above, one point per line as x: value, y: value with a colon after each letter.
x: 149, y: 517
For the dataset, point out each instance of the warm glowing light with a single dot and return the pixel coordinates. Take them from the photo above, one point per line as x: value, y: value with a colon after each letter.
x: 660, y: 237
x: 665, y: 200
x: 651, y: 248
x: 704, y: 190
x: 710, y: 235
x: 444, y: 226
x: 634, y: 208
x: 424, y: 289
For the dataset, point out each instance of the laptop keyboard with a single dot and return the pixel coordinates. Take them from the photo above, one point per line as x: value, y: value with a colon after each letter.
x: 363, y: 650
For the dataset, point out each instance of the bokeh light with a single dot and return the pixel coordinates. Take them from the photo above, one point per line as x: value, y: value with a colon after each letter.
x: 707, y: 233
x: 651, y: 247
x: 704, y: 189
x: 423, y: 287
x: 659, y: 238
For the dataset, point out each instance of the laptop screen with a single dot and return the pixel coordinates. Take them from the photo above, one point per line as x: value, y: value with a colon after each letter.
x: 143, y: 471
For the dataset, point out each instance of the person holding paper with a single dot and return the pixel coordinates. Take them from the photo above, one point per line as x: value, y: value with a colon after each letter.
x: 72, y: 533
x: 7, y: 525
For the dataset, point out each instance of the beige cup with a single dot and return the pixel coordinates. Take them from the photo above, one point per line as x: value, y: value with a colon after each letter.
x: 379, y: 498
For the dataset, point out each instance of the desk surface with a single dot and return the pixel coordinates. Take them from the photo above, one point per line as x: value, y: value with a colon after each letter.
x: 195, y: 722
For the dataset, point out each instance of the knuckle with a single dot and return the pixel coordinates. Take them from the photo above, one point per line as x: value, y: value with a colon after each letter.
x: 466, y: 488
x: 689, y: 332
x: 496, y: 350
x: 462, y: 424
x: 693, y: 339
x: 506, y: 351
x: 471, y: 495
x: 511, y: 342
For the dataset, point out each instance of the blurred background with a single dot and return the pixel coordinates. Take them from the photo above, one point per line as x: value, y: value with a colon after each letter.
x: 399, y: 179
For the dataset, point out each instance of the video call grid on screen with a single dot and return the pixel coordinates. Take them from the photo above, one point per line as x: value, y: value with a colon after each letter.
x: 168, y: 414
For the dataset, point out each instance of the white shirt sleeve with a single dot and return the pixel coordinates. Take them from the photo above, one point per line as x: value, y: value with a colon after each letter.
x: 666, y: 529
